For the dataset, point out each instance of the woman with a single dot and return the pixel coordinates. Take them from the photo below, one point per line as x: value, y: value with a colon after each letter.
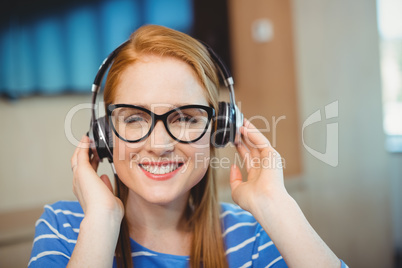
x: 167, y: 213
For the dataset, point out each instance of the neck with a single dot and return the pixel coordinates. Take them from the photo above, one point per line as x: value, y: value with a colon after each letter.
x: 156, y: 225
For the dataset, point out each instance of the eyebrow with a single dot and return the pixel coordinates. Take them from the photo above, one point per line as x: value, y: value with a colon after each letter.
x: 148, y: 107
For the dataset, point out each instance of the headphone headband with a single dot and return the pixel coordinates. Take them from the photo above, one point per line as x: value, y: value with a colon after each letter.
x: 223, y: 70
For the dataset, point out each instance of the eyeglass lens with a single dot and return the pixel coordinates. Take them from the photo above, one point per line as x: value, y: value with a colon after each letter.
x: 184, y: 124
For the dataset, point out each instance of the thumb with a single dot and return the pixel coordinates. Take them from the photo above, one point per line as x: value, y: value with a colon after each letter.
x: 106, y: 180
x: 235, y: 177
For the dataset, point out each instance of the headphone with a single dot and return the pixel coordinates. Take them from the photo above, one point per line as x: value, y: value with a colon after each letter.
x: 228, y: 121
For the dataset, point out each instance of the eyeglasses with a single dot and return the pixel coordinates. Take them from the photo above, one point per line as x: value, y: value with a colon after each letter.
x: 185, y: 124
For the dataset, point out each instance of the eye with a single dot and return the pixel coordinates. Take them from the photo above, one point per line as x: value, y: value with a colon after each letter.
x: 182, y: 118
x: 187, y: 119
x: 134, y: 119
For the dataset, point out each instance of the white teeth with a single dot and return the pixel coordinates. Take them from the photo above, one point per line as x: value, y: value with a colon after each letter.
x: 158, y: 170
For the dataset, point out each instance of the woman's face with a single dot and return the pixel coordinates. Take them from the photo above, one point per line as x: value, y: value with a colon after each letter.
x: 160, y: 170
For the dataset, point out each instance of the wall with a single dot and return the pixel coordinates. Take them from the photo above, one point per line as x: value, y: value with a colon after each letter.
x: 264, y: 75
x: 338, y: 60
x: 35, y: 163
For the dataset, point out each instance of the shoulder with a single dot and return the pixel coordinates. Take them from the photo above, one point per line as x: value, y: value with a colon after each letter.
x: 247, y: 243
x: 234, y: 210
x: 65, y: 207
x: 63, y: 211
x: 233, y: 217
x: 239, y: 226
x: 56, y: 233
x: 62, y: 217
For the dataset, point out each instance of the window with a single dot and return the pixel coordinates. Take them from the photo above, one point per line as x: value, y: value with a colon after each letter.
x: 390, y: 32
x: 51, y: 47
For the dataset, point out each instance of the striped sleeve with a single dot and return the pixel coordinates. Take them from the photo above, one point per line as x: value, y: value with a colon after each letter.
x: 343, y: 264
x: 247, y: 244
x: 56, y: 233
x: 265, y: 253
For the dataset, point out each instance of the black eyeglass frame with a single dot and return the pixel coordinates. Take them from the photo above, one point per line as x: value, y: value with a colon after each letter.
x: 163, y: 117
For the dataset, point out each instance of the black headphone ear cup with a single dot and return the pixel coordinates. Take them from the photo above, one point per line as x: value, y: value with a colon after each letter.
x: 103, y: 139
x: 237, y: 123
x: 109, y: 134
x: 222, y: 129
x: 228, y: 123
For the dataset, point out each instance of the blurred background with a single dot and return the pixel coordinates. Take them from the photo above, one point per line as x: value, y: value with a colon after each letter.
x: 321, y: 78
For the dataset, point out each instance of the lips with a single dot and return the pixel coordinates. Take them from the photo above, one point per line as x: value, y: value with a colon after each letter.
x: 160, y: 170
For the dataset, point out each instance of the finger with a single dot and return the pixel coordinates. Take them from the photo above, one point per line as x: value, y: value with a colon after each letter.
x: 74, y: 158
x: 83, y: 151
x: 95, y: 162
x: 254, y: 135
x: 244, y: 153
x: 73, y: 161
x: 106, y: 180
x: 259, y: 155
x: 85, y: 142
x: 235, y: 177
x: 253, y: 149
x: 260, y: 145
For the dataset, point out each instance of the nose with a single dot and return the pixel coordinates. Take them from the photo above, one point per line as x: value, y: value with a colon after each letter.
x: 159, y: 141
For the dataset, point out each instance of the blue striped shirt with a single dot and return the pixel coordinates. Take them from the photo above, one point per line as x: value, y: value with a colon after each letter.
x: 247, y: 244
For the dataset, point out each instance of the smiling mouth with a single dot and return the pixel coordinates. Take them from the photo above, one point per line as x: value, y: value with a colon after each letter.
x: 160, y: 169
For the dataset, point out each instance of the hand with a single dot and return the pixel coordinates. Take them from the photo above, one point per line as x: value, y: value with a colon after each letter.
x: 265, y: 196
x: 264, y: 168
x: 99, y: 230
x: 94, y: 193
